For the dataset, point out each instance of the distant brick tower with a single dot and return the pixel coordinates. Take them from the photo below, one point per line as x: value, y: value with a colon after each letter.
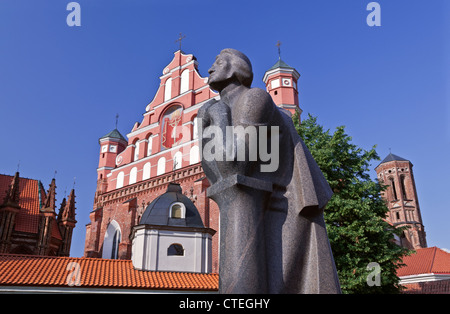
x: 402, y: 200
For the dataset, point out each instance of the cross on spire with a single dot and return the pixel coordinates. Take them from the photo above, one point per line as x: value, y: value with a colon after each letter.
x: 180, y: 38
x: 117, y: 119
x: 279, y: 49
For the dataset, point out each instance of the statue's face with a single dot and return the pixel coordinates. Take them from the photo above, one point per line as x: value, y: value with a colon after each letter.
x: 220, y: 72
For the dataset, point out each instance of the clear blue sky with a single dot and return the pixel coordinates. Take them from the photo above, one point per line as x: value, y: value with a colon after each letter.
x: 61, y: 86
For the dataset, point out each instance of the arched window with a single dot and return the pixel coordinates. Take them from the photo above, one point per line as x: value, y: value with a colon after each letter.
x: 171, y: 127
x: 136, y: 151
x: 119, y: 181
x: 146, y: 171
x: 184, y: 85
x: 133, y: 175
x: 194, y: 155
x: 402, y: 182
x: 195, y: 128
x: 161, y: 168
x: 394, y: 191
x: 149, y: 145
x: 111, y: 241
x: 177, y: 211
x: 175, y: 250
x: 168, y: 89
x: 177, y: 159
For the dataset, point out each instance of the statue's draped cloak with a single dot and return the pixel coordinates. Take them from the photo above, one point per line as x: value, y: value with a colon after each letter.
x: 273, y: 237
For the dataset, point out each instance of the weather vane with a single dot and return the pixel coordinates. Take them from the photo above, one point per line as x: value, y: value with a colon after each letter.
x: 180, y: 38
x: 117, y: 119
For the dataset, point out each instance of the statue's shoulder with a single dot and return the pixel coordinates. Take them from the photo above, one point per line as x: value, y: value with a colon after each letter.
x: 257, y: 102
x: 257, y: 96
x: 203, y: 111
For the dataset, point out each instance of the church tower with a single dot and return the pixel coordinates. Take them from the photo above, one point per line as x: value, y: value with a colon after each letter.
x: 111, y: 145
x: 281, y: 83
x: 8, y: 211
x: 47, y: 218
x: 66, y: 222
x: 402, y: 201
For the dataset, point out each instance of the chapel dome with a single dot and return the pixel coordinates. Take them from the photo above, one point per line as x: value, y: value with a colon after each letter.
x: 172, y: 208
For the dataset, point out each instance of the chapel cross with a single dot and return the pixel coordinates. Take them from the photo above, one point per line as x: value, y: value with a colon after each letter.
x: 180, y: 38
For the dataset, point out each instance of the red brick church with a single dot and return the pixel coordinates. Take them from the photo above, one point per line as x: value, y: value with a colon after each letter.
x: 163, y: 148
x: 30, y: 223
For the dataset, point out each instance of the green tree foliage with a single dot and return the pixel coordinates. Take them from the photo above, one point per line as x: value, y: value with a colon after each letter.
x: 355, y: 215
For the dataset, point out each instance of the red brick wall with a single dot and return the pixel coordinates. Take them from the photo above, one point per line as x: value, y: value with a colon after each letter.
x: 430, y: 287
x: 127, y: 204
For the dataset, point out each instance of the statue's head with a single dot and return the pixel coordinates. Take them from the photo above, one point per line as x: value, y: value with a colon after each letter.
x: 230, y: 65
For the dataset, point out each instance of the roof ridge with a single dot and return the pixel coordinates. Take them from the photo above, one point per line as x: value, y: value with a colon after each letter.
x: 7, y: 175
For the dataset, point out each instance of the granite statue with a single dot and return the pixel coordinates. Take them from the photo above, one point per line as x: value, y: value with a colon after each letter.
x: 273, y: 237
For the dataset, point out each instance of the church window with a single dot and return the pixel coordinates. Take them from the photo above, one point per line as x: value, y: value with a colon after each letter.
x: 402, y: 181
x: 194, y: 155
x: 111, y: 241
x: 146, y: 171
x: 177, y: 210
x: 136, y: 151
x: 394, y: 191
x: 177, y: 159
x: 149, y: 145
x: 184, y: 85
x: 161, y: 168
x: 168, y: 89
x: 175, y: 250
x: 114, y: 250
x: 133, y: 175
x: 119, y: 182
x: 171, y: 127
x: 195, y: 128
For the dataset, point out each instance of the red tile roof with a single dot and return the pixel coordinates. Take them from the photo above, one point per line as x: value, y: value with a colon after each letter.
x: 26, y: 270
x: 27, y: 220
x: 430, y: 260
